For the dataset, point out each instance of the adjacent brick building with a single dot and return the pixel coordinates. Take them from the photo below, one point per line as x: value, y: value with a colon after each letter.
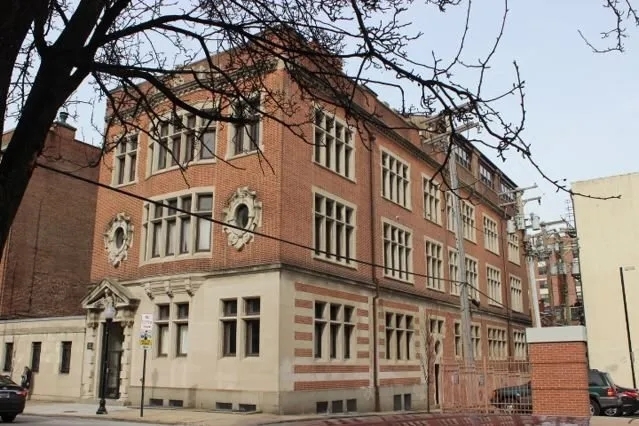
x: 287, y: 313
x: 46, y: 264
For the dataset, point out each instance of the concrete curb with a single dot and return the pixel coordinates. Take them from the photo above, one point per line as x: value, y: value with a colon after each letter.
x: 112, y: 419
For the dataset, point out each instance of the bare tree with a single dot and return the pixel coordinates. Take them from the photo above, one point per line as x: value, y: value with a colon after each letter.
x: 622, y: 13
x: 154, y: 51
x: 427, y: 356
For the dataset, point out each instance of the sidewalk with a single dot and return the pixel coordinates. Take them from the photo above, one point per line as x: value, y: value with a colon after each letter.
x: 181, y: 416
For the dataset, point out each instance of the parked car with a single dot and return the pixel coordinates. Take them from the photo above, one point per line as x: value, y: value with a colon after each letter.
x: 604, y: 396
x: 629, y: 399
x: 12, y: 399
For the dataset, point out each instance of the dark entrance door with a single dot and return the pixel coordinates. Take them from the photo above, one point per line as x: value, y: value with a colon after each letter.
x: 114, y: 360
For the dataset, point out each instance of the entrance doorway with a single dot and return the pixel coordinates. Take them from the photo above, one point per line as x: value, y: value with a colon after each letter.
x: 114, y: 359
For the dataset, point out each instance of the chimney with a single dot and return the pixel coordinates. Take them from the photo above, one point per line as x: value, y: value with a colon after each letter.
x: 63, y: 128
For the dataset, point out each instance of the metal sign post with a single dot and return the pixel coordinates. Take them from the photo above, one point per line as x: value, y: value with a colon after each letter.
x: 146, y: 328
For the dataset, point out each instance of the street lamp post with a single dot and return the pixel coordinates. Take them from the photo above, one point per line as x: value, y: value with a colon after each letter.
x: 625, y: 311
x: 109, y: 313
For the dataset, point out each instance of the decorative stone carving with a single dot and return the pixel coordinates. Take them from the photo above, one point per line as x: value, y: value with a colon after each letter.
x: 118, y: 238
x: 172, y: 287
x: 244, y: 214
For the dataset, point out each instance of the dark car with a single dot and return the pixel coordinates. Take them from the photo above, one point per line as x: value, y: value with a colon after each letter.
x: 12, y: 399
x: 629, y: 399
x: 604, y: 396
x: 513, y: 399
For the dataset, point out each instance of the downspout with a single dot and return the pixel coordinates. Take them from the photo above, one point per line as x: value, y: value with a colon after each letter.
x: 509, y: 301
x: 373, y: 222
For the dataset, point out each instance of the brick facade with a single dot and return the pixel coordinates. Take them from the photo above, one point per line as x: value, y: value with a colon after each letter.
x: 46, y: 265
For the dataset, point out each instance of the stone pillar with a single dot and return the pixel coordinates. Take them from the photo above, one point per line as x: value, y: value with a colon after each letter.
x: 90, y: 358
x: 125, y: 368
x: 559, y: 365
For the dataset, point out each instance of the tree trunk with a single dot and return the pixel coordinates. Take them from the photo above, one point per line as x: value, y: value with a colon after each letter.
x: 15, y: 20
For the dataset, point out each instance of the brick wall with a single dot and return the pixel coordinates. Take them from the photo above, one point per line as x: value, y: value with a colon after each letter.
x: 559, y: 371
x: 45, y: 269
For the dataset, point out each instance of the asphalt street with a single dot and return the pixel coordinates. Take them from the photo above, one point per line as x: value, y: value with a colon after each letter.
x: 66, y: 421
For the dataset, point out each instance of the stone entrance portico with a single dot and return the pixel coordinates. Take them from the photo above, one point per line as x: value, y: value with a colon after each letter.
x: 107, y: 293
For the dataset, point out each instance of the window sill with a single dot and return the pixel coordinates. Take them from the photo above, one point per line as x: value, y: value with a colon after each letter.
x: 400, y: 280
x: 184, y: 166
x: 471, y: 241
x: 349, y: 179
x: 333, y: 262
x: 245, y: 154
x: 180, y: 257
x: 407, y: 208
x: 495, y: 304
x: 124, y: 185
x: 518, y: 263
x: 434, y: 222
x: 495, y: 252
x: 438, y: 290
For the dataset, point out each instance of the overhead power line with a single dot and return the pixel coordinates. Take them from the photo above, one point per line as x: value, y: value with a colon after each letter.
x: 257, y: 233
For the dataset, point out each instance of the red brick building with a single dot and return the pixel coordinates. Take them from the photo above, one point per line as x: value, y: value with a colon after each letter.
x: 289, y: 318
x: 46, y: 264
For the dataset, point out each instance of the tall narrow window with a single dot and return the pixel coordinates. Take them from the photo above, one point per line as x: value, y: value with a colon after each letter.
x: 65, y: 358
x: 125, y: 160
x: 434, y: 265
x: 491, y: 235
x: 453, y: 272
x: 398, y: 252
x: 395, y: 180
x: 229, y: 328
x: 432, y: 201
x: 204, y: 212
x: 252, y: 310
x: 182, y: 329
x: 246, y: 132
x: 36, y: 350
x: 319, y: 326
x: 493, y: 278
x: 8, y: 357
x: 162, y: 329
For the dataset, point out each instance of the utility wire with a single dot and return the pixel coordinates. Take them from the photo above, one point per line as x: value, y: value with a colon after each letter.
x: 260, y: 234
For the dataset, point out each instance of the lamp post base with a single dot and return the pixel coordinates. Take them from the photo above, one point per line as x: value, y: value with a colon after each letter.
x: 102, y: 408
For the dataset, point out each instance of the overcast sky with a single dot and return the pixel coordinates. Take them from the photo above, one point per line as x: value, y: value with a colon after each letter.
x: 579, y: 104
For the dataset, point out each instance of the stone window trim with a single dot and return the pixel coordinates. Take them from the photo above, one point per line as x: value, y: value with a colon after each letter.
x: 472, y: 276
x: 469, y: 223
x: 123, y: 155
x: 239, y: 312
x: 152, y: 145
x: 490, y: 229
x: 243, y: 206
x: 318, y: 155
x: 352, y: 263
x: 403, y: 274
x: 437, y: 330
x: 519, y: 344
x: 497, y: 343
x: 145, y: 245
x: 434, y: 257
x: 514, y: 248
x: 399, y: 336
x: 118, y: 238
x: 432, y: 199
x: 453, y: 271
x: 515, y: 284
x: 334, y: 331
x: 403, y: 200
x: 475, y: 339
x: 231, y: 129
x: 494, y: 285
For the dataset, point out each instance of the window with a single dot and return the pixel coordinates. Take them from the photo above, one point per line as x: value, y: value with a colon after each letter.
x: 436, y: 326
x: 169, y: 233
x: 36, y: 350
x: 432, y: 201
x: 542, y: 269
x: 399, y: 336
x: 395, y: 180
x: 162, y: 327
x: 125, y: 160
x: 229, y: 327
x: 505, y: 193
x: 475, y: 339
x: 246, y: 134
x: 516, y: 294
x: 472, y: 278
x: 252, y: 326
x: 462, y: 155
x: 468, y: 220
x: 519, y: 342
x: 543, y: 283
x: 250, y: 321
x: 65, y: 358
x: 334, y: 231
x: 491, y: 235
x: 434, y: 265
x: 513, y: 249
x: 398, y: 252
x: 334, y: 148
x: 493, y: 278
x: 8, y: 356
x: 338, y: 319
x: 453, y: 272
x: 182, y: 329
x: 486, y: 175
x: 497, y: 343
x: 459, y: 347
x: 184, y: 139
x: 451, y: 224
